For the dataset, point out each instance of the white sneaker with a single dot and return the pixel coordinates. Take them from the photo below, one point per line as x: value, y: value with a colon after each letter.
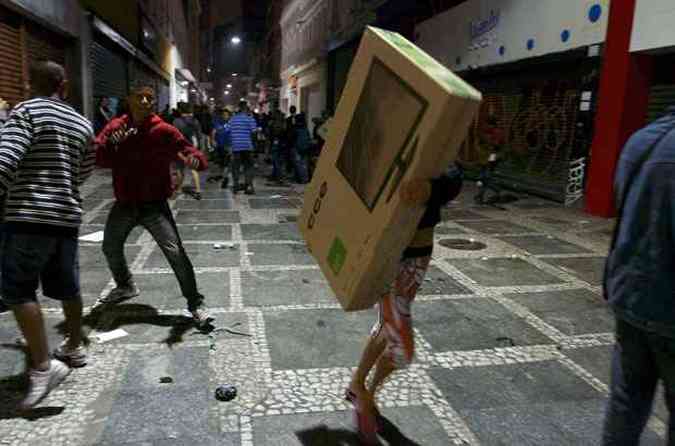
x: 119, y: 294
x: 74, y: 357
x: 41, y: 383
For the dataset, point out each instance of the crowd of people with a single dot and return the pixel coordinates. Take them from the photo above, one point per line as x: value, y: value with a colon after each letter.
x: 48, y: 150
x: 235, y: 139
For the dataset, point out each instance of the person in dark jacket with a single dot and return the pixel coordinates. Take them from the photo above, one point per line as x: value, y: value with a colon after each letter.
x: 391, y: 343
x: 191, y: 129
x: 139, y: 149
x: 640, y: 282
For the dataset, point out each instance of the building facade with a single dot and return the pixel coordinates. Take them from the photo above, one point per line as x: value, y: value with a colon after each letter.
x: 106, y: 47
x: 314, y: 34
x: 538, y: 66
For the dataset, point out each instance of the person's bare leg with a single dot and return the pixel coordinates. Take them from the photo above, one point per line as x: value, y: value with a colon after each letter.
x: 31, y: 323
x: 384, y: 369
x: 72, y: 310
x: 197, y: 182
x: 371, y: 354
x: 180, y: 178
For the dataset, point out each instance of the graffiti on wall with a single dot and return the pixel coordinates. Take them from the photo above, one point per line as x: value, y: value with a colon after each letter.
x: 538, y: 124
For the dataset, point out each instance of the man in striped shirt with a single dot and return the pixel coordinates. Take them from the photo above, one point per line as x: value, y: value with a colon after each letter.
x: 46, y: 153
x: 242, y: 127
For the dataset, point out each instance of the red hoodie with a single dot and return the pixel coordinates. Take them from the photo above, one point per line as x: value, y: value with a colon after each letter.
x: 141, y: 164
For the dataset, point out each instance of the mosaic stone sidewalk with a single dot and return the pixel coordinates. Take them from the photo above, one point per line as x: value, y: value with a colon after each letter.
x: 513, y: 340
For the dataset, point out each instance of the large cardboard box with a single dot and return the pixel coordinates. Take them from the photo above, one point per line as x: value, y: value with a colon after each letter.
x: 402, y: 115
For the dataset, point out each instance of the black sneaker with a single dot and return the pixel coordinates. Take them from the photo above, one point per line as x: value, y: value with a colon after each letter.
x: 3, y: 307
x: 224, y: 184
x: 250, y: 190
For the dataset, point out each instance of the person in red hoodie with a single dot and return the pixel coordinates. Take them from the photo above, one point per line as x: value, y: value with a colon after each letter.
x: 139, y: 148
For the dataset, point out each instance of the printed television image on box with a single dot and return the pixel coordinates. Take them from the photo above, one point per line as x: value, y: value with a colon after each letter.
x: 376, y: 154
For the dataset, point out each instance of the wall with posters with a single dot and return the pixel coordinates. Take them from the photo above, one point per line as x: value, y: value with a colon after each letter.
x: 653, y: 25
x: 481, y: 33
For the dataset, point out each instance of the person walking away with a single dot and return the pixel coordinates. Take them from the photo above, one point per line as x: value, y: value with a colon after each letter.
x: 391, y: 343
x: 191, y: 130
x: 222, y: 141
x: 639, y: 283
x: 242, y: 128
x: 291, y: 146
x: 139, y: 148
x: 205, y: 119
x: 303, y: 145
x: 46, y: 154
x: 277, y: 128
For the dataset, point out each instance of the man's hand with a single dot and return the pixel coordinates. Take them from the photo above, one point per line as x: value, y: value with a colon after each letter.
x: 415, y: 192
x: 120, y: 135
x: 192, y: 162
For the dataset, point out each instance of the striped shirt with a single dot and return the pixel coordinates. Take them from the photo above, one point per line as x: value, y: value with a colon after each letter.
x: 46, y: 153
x: 242, y: 127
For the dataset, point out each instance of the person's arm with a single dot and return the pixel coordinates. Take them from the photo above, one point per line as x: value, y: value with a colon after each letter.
x: 15, y: 140
x: 434, y: 193
x: 185, y: 151
x: 88, y: 162
x: 106, y: 143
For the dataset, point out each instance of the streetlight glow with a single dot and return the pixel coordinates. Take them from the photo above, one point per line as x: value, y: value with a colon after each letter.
x: 229, y: 85
x: 236, y: 40
x: 234, y: 75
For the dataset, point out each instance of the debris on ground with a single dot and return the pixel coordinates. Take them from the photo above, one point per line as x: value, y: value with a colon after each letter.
x: 166, y: 380
x: 109, y: 336
x: 506, y: 341
x: 226, y: 393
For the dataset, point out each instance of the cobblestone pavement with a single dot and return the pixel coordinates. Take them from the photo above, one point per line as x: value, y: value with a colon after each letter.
x: 513, y: 340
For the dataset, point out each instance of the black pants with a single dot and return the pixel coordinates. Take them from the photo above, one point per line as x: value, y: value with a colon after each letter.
x: 158, y: 220
x: 244, y: 159
x: 640, y: 360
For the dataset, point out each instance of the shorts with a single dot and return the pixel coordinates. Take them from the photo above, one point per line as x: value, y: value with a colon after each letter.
x: 395, y: 312
x: 28, y: 260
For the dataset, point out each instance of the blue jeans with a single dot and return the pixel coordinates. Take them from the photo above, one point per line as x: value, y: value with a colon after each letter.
x: 640, y: 360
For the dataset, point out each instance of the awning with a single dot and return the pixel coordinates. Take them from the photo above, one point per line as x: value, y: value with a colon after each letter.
x: 186, y: 74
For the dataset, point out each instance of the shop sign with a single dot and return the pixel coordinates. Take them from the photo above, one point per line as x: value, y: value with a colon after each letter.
x: 483, y: 32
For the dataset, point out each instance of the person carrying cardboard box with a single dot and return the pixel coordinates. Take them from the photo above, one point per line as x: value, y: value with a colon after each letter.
x: 391, y: 342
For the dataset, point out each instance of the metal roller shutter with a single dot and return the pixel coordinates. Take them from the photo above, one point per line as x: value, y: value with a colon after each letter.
x: 45, y: 45
x: 109, y: 69
x: 660, y: 98
x: 537, y: 111
x: 11, y: 54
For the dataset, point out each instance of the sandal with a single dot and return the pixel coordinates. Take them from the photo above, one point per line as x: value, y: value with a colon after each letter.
x: 367, y: 426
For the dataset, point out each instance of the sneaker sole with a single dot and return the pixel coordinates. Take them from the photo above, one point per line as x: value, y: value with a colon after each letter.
x: 76, y: 363
x: 99, y: 303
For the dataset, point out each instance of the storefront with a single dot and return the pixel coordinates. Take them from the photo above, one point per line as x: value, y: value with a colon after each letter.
x: 539, y: 72
x: 654, y: 36
x: 117, y: 66
x: 339, y: 62
x: 311, y: 89
x: 24, y: 42
x: 12, y: 78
